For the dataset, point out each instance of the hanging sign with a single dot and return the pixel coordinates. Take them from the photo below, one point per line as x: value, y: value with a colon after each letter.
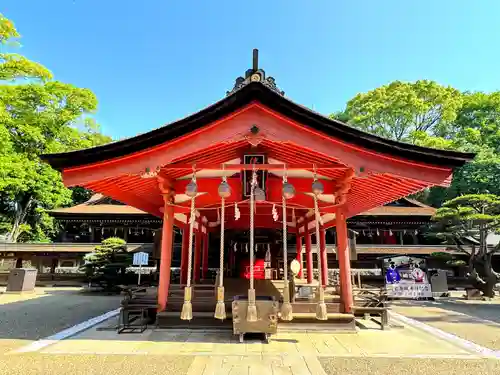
x: 247, y: 174
x: 140, y: 259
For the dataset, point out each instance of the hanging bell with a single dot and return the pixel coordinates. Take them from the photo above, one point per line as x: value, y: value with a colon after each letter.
x: 317, y: 187
x: 288, y: 190
x: 192, y: 189
x: 224, y: 190
x: 259, y: 194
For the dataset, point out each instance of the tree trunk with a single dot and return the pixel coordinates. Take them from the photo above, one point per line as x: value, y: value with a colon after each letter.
x: 482, y: 276
x: 19, y: 219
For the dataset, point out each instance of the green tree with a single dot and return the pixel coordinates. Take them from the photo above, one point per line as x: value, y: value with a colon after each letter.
x: 399, y: 109
x: 37, y: 115
x: 107, y: 264
x: 471, y: 219
x: 427, y: 114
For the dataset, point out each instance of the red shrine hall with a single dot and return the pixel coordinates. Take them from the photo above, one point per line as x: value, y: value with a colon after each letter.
x: 254, y: 166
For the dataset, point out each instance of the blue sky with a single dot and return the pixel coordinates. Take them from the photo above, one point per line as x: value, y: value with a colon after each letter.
x: 154, y: 61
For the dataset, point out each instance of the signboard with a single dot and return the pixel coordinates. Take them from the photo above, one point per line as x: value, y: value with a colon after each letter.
x: 407, y: 290
x: 247, y: 174
x: 140, y: 259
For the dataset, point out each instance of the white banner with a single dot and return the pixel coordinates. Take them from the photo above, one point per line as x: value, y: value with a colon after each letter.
x: 407, y: 290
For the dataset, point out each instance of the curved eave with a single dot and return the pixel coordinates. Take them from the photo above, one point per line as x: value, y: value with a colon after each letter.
x: 256, y: 92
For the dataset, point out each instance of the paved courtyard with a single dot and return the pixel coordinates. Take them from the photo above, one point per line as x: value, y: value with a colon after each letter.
x: 219, y: 352
x: 99, y: 350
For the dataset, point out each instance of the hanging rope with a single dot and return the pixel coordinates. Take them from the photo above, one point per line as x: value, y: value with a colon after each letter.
x: 187, y: 307
x: 220, y: 307
x: 252, y: 308
x: 286, y: 307
x: 321, y: 313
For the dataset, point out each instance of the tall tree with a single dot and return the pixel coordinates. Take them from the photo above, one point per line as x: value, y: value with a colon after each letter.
x: 465, y: 223
x: 37, y: 115
x: 399, y: 109
x: 427, y: 114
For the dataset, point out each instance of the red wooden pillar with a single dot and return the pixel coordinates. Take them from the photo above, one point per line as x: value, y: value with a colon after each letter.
x: 343, y: 257
x: 167, y: 239
x: 197, y: 255
x: 204, y: 272
x: 309, y: 256
x: 298, y: 249
x: 324, y: 260
x: 184, y: 254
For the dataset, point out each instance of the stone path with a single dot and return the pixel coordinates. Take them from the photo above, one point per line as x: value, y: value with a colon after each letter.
x: 296, y: 353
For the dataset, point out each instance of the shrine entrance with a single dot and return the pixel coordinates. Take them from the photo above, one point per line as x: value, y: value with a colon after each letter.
x: 258, y: 169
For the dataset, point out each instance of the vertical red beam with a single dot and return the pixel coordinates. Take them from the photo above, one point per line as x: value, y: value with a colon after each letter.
x: 184, y: 254
x: 309, y: 256
x: 298, y: 250
x: 167, y: 240
x: 204, y: 272
x: 197, y: 255
x: 324, y: 261
x: 343, y: 257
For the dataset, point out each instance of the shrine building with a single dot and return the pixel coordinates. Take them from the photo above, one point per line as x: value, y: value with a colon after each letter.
x: 247, y: 173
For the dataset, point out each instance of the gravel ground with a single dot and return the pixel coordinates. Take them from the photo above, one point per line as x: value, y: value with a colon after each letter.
x: 31, y: 364
x: 462, y: 320
x: 384, y: 366
x: 26, y: 320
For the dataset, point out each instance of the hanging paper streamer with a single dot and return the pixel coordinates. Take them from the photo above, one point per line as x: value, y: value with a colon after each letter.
x: 102, y: 231
x: 378, y: 233
x: 275, y: 213
x: 416, y: 231
x: 246, y: 248
x: 236, y: 212
x: 390, y: 232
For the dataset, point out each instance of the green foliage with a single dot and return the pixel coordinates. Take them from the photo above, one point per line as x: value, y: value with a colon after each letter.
x: 427, y: 114
x: 37, y: 115
x: 8, y: 32
x: 107, y: 264
x: 468, y: 220
x: 399, y: 109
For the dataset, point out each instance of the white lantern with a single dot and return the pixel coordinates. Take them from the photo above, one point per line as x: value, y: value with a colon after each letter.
x: 317, y: 187
x: 288, y: 190
x: 192, y: 189
x: 224, y: 190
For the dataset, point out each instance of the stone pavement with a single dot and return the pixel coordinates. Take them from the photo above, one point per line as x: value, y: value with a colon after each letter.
x: 219, y: 352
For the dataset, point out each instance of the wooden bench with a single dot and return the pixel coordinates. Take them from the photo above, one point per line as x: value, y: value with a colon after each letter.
x: 367, y: 312
x: 369, y: 302
x: 137, y: 309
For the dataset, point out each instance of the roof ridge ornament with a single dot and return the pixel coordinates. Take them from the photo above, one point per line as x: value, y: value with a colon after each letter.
x: 255, y: 75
